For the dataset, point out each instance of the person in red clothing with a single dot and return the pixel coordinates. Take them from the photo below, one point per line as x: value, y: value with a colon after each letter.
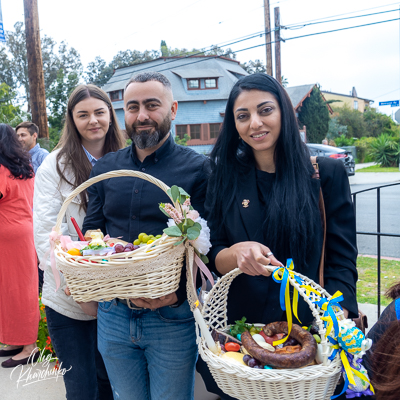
x: 19, y: 302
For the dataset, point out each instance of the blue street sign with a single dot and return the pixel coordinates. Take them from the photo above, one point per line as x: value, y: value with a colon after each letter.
x: 2, y: 37
x: 393, y: 103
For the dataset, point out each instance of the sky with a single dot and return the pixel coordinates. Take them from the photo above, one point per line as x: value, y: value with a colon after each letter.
x: 367, y: 58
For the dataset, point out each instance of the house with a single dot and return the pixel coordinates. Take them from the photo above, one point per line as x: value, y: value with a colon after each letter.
x: 351, y: 100
x: 201, y: 85
x: 297, y: 96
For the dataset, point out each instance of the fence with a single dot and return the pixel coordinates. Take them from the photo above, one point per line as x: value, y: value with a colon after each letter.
x: 378, y: 232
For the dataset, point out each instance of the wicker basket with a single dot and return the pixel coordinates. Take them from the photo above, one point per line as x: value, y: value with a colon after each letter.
x: 152, y: 271
x: 316, y: 382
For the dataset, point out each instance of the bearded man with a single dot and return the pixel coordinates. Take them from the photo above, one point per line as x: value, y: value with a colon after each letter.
x: 148, y: 345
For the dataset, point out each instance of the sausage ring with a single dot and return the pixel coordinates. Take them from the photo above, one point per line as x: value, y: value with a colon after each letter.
x: 296, y: 360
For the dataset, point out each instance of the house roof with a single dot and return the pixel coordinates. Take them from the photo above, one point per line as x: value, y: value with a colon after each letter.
x: 298, y: 94
x: 348, y: 95
x: 188, y: 73
x: 176, y: 69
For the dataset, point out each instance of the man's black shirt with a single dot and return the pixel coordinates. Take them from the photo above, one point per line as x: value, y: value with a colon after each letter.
x: 127, y: 206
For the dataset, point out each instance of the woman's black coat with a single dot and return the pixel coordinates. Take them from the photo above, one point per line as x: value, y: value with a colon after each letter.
x: 257, y: 298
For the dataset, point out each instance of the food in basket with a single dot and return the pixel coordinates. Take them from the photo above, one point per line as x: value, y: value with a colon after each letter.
x: 292, y: 360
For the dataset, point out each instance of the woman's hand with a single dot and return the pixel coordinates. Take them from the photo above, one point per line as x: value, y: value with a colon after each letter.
x: 250, y: 257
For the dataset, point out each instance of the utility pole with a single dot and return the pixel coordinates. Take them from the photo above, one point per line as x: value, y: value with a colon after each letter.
x: 35, y: 67
x: 278, y: 72
x: 268, y: 37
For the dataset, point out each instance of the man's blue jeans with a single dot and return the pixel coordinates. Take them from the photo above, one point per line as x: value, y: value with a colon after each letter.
x: 76, y: 346
x: 148, y: 354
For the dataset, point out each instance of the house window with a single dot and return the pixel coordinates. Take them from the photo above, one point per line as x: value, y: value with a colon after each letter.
x: 181, y: 131
x: 195, y: 131
x: 193, y: 83
x: 214, y: 130
x: 210, y: 83
x: 116, y: 95
x: 356, y: 104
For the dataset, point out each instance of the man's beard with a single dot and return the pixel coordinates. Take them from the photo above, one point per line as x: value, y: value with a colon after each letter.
x: 144, y: 139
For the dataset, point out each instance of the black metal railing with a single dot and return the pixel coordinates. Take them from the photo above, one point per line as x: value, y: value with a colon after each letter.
x: 378, y: 232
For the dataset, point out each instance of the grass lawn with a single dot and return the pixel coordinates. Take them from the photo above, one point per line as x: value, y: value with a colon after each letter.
x: 368, y: 279
x: 377, y: 168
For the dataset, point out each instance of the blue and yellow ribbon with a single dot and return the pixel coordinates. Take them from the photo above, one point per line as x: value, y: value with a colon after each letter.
x: 281, y: 275
x: 349, y: 373
x: 329, y: 315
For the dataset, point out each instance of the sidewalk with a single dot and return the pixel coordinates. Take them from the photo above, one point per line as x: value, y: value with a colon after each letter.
x: 372, y: 178
x: 53, y: 389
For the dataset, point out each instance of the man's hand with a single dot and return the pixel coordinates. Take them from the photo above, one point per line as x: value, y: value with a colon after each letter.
x: 152, y: 304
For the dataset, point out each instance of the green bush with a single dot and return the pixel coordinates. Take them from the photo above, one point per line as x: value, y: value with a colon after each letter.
x: 363, y: 148
x: 342, y: 140
x: 385, y: 150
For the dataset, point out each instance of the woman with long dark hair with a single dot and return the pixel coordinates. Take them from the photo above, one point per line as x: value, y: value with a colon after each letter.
x: 91, y: 131
x: 19, y: 304
x: 262, y: 207
x: 383, y: 359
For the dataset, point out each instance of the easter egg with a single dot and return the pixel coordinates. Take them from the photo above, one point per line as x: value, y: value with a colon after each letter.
x: 74, y: 252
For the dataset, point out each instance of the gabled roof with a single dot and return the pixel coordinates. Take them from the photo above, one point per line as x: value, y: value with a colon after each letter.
x: 178, y: 69
x: 348, y: 95
x: 298, y: 94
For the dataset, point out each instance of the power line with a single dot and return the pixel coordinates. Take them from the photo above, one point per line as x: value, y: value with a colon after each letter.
x: 302, y: 25
x: 264, y: 44
x: 351, y: 12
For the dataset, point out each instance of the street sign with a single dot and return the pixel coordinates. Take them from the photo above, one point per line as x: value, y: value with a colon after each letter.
x: 397, y: 115
x: 2, y: 37
x: 393, y: 103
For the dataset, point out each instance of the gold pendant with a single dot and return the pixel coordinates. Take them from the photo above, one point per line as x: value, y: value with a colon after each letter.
x: 245, y: 203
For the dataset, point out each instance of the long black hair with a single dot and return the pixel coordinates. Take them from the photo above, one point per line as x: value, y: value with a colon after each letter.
x: 12, y: 154
x: 293, y: 211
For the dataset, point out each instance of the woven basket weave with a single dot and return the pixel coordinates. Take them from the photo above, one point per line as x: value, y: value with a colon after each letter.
x: 152, y: 271
x: 316, y: 382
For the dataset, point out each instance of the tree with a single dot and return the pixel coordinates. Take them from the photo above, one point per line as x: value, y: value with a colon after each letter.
x: 378, y: 123
x: 98, y: 72
x: 314, y: 115
x: 253, y: 67
x: 13, y: 60
x: 9, y: 114
x: 353, y: 119
x: 58, y: 97
x: 335, y: 129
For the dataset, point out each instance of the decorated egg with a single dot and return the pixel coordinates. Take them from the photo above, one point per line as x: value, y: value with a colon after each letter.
x: 350, y: 338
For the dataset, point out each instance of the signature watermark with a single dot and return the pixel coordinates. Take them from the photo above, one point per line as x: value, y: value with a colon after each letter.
x: 38, y: 370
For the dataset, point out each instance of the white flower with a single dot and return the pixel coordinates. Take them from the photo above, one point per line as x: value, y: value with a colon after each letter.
x: 202, y: 243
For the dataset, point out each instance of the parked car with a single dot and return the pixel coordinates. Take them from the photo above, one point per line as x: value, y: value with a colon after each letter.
x: 323, y: 150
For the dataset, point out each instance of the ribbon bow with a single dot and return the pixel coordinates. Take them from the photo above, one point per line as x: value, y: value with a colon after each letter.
x: 329, y: 315
x: 282, y: 275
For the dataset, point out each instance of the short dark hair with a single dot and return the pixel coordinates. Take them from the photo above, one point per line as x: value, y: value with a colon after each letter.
x: 150, y: 76
x: 30, y: 126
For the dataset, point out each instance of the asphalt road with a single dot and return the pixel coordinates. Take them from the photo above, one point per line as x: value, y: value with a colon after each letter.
x: 366, y: 217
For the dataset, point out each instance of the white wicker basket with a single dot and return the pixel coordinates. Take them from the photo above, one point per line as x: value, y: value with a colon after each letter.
x: 316, y: 382
x: 152, y: 271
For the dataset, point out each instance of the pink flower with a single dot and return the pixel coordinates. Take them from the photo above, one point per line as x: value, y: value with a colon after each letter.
x: 193, y: 215
x: 173, y: 213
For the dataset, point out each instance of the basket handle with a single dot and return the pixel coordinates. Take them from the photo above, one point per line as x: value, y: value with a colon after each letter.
x: 107, y: 175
